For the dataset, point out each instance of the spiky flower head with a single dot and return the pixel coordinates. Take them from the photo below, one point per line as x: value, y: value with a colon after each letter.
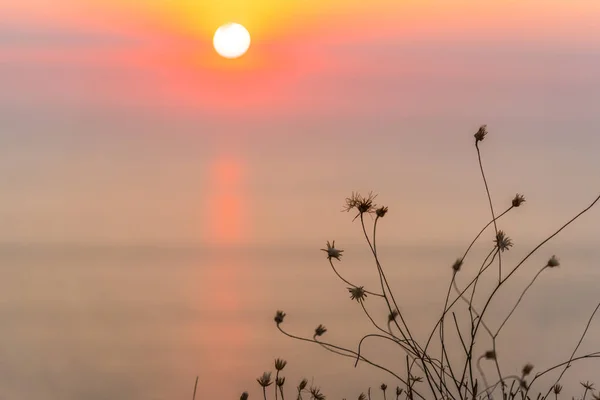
x: 490, y: 355
x: 392, y: 316
x: 363, y: 204
x: 302, y: 384
x: 480, y: 134
x: 381, y: 211
x: 320, y: 331
x: 502, y: 241
x: 557, y: 388
x: 315, y: 394
x: 265, y: 380
x: 457, y: 264
x: 244, y: 396
x: 279, y: 316
x: 280, y: 381
x: 588, y: 385
x: 399, y: 391
x: 553, y: 262
x: 518, y: 200
x: 362, y: 396
x: 357, y: 293
x: 527, y: 369
x: 280, y: 364
x: 332, y: 252
x: 383, y: 387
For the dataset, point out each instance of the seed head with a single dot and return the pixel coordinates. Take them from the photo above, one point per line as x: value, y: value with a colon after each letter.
x: 383, y: 387
x: 553, y: 262
x: 457, y: 264
x: 502, y: 241
x: 518, y: 200
x: 588, y: 385
x: 527, y: 369
x: 320, y: 331
x: 244, y: 396
x: 357, y: 293
x: 265, y: 380
x: 279, y: 316
x: 332, y: 252
x: 362, y: 396
x: 381, y: 211
x: 315, y: 394
x: 557, y: 388
x: 490, y: 355
x: 399, y: 391
x: 302, y: 384
x: 480, y: 135
x: 280, y: 381
x: 280, y: 364
x: 361, y: 203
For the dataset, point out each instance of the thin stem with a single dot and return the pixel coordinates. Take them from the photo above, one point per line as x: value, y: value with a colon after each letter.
x: 568, y: 364
x: 353, y: 353
x: 487, y: 190
x: 519, y: 300
x: 483, y: 375
x: 349, y: 283
x: 195, y: 387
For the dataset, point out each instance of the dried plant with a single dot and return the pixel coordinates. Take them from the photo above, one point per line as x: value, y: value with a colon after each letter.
x: 429, y: 372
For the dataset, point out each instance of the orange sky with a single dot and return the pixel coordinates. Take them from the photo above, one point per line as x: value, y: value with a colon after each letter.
x: 141, y: 81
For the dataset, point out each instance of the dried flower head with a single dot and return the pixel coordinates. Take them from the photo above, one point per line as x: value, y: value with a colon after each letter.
x: 302, y: 384
x: 393, y: 315
x: 399, y: 391
x: 588, y: 385
x: 265, y: 380
x: 362, y: 396
x: 502, y: 241
x: 244, y: 396
x: 320, y: 331
x: 361, y: 203
x: 280, y: 364
x: 557, y: 388
x: 490, y: 355
x: 357, y: 293
x: 315, y: 394
x: 457, y: 264
x: 332, y: 252
x: 381, y: 211
x: 527, y: 369
x: 553, y: 262
x: 279, y: 316
x: 280, y: 381
x: 383, y: 387
x: 480, y: 134
x: 518, y: 200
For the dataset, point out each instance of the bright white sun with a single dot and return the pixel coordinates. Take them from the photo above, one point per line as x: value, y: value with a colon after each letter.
x: 231, y: 40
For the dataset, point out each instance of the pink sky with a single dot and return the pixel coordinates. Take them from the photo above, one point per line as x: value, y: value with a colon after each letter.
x: 116, y: 115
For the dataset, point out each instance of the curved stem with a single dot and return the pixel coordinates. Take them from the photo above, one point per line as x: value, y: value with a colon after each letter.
x: 519, y: 300
x: 349, y: 283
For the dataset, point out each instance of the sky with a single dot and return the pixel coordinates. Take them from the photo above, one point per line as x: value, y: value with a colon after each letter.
x: 119, y: 124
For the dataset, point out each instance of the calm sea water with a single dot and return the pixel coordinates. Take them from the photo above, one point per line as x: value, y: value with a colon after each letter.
x: 101, y: 323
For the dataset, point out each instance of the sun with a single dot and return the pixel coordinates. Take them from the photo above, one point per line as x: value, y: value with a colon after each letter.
x: 231, y: 40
